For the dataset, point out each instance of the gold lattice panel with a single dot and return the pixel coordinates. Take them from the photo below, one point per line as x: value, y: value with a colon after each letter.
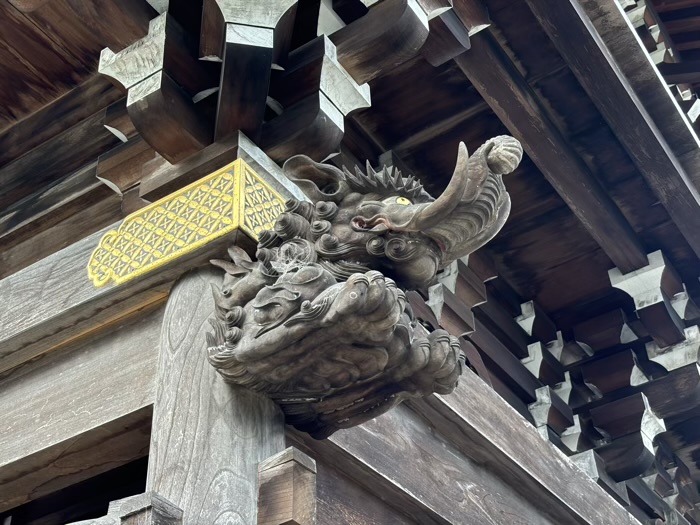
x: 231, y: 198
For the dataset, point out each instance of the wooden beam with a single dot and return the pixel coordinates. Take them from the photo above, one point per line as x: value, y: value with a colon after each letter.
x: 472, y: 435
x: 611, y: 70
x: 680, y: 72
x: 515, y: 103
x: 57, y: 431
x: 201, y: 424
x: 79, y: 103
x: 59, y: 156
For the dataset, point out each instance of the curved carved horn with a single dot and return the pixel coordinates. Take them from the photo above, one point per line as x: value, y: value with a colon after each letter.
x: 431, y: 214
x: 320, y: 182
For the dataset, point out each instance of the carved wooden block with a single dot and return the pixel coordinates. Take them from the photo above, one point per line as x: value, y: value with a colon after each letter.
x: 287, y: 489
x: 161, y: 75
x: 543, y: 364
x: 447, y: 38
x: 652, y: 289
x: 315, y: 94
x: 248, y: 37
x: 148, y: 508
x: 551, y: 410
x: 632, y: 427
x: 678, y: 355
x: 606, y: 330
x: 390, y: 34
x: 614, y: 372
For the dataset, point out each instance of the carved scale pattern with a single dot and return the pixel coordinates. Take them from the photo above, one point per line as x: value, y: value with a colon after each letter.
x: 232, y: 197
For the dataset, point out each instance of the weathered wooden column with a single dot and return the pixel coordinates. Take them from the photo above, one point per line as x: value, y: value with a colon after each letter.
x: 208, y: 437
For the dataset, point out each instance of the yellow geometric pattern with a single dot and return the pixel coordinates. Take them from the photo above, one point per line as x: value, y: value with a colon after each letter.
x: 218, y: 204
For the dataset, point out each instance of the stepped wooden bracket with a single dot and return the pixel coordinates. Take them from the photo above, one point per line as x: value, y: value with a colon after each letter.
x: 543, y: 364
x: 232, y: 198
x: 551, y: 410
x: 631, y: 426
x: 248, y: 38
x: 315, y: 94
x: 161, y: 75
x: 679, y: 355
x: 287, y: 489
x: 137, y: 510
x: 652, y: 288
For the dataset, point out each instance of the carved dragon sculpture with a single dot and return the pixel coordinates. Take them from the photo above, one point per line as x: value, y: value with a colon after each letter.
x: 320, y: 322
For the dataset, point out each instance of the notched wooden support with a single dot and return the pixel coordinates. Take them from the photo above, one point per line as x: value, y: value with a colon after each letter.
x: 679, y: 355
x: 543, y: 364
x: 287, y: 489
x: 248, y: 40
x: 551, y: 411
x: 614, y: 372
x: 606, y: 330
x: 536, y: 323
x: 391, y: 33
x: 315, y: 94
x: 631, y: 426
x: 161, y: 75
x: 652, y: 288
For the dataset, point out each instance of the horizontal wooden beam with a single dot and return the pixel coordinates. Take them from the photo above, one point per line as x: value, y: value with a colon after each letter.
x: 515, y: 103
x: 603, y: 52
x: 80, y: 412
x: 429, y: 470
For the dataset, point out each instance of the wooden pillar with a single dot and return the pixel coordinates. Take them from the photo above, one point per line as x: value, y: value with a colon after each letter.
x: 208, y: 437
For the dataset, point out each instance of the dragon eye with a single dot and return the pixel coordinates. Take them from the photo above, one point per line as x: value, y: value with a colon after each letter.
x: 403, y: 201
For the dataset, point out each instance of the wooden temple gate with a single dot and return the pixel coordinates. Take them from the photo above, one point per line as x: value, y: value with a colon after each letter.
x: 139, y: 140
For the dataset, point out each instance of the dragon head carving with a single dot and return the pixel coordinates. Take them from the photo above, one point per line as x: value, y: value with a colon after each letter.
x: 320, y: 321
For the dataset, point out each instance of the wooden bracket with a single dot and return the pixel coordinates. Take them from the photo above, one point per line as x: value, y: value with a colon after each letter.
x: 391, y: 33
x: 551, y: 410
x: 543, y: 364
x: 679, y: 355
x: 248, y: 39
x: 315, y: 94
x: 594, y: 466
x: 652, y: 289
x: 287, y: 489
x: 631, y: 426
x: 161, y: 75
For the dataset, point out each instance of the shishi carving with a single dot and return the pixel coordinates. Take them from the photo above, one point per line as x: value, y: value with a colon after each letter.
x: 319, y: 322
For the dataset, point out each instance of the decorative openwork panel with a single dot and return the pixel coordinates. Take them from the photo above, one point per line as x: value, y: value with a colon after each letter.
x: 230, y: 198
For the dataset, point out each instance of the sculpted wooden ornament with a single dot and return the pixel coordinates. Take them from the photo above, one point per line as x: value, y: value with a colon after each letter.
x: 320, y: 322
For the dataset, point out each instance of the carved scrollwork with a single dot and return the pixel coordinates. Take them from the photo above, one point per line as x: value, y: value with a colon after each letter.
x: 320, y: 322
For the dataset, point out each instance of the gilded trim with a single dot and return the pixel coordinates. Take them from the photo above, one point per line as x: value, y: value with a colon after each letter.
x: 234, y: 197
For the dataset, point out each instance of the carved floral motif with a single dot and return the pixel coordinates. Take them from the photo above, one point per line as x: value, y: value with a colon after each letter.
x: 320, y: 322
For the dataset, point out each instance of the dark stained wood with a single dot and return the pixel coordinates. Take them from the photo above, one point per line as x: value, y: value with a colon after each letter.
x: 498, y: 81
x: 680, y: 72
x: 643, y: 115
x: 123, y: 167
x: 390, y: 34
x: 55, y: 203
x: 63, y: 154
x: 84, y: 216
x: 447, y: 39
x: 79, y: 103
x: 86, y: 27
